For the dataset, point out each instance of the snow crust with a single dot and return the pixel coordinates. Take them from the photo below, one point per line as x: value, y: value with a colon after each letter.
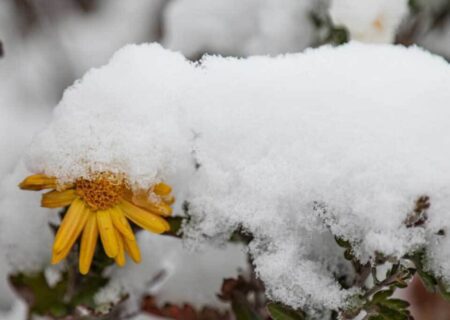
x: 294, y: 149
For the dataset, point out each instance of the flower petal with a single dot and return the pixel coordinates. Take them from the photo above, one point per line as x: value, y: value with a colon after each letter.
x: 144, y: 219
x: 88, y: 243
x: 155, y: 206
x: 169, y: 199
x: 161, y: 208
x: 121, y: 223
x: 162, y: 189
x: 57, y: 257
x: 71, y: 226
x: 57, y: 199
x: 132, y: 250
x: 107, y: 233
x: 38, y: 182
x: 120, y: 258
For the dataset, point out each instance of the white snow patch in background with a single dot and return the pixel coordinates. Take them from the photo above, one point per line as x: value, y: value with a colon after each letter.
x: 18, y: 311
x: 373, y: 21
x: 89, y: 40
x: 341, y: 140
x: 239, y: 27
x: 174, y: 274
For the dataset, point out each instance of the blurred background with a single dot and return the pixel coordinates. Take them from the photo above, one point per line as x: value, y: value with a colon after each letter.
x: 46, y: 45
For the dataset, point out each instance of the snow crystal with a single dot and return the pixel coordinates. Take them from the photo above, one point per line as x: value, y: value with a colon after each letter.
x: 239, y: 27
x: 374, y: 21
x: 294, y: 149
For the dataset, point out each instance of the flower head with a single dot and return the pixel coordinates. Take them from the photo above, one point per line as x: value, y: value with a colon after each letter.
x: 101, y: 205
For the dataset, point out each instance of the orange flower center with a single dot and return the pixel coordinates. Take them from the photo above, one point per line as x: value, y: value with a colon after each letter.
x: 103, y: 191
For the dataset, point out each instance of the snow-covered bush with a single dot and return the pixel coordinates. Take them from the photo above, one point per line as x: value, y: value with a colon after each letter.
x: 333, y: 161
x: 303, y: 185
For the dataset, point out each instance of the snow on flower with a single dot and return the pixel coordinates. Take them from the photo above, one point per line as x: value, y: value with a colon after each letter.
x: 101, y: 205
x: 295, y: 150
x: 373, y: 21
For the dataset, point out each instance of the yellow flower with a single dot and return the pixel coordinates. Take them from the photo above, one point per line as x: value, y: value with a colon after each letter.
x: 101, y: 205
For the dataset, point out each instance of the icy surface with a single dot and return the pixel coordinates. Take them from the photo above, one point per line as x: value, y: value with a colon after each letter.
x: 294, y: 149
x: 240, y: 27
x: 373, y: 21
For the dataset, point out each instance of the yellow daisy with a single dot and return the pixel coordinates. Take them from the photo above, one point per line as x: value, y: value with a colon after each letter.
x: 101, y: 205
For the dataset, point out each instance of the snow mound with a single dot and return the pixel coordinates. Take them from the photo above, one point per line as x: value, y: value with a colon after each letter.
x: 294, y: 149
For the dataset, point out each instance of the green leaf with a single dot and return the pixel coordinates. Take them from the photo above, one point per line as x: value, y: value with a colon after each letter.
x: 396, y: 303
x: 43, y: 299
x: 175, y: 224
x: 241, y: 308
x: 443, y: 290
x: 343, y: 243
x: 392, y: 313
x: 428, y: 280
x: 381, y: 296
x: 280, y: 312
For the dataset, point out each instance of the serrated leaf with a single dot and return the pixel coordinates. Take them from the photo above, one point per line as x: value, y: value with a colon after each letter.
x: 396, y: 303
x: 392, y: 314
x: 279, y: 312
x: 381, y: 296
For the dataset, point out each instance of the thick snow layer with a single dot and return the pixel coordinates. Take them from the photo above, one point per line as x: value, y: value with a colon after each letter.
x: 239, y: 27
x: 373, y: 21
x: 295, y: 149
x: 107, y: 122
x: 174, y: 274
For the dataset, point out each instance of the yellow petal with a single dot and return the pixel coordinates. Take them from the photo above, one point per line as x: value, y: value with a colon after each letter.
x: 161, y: 208
x: 88, y: 243
x: 121, y: 223
x: 162, y: 189
x: 120, y: 258
x: 38, y: 182
x: 107, y: 234
x: 132, y: 250
x: 144, y: 219
x: 169, y: 199
x: 57, y: 199
x: 57, y: 257
x: 71, y: 226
